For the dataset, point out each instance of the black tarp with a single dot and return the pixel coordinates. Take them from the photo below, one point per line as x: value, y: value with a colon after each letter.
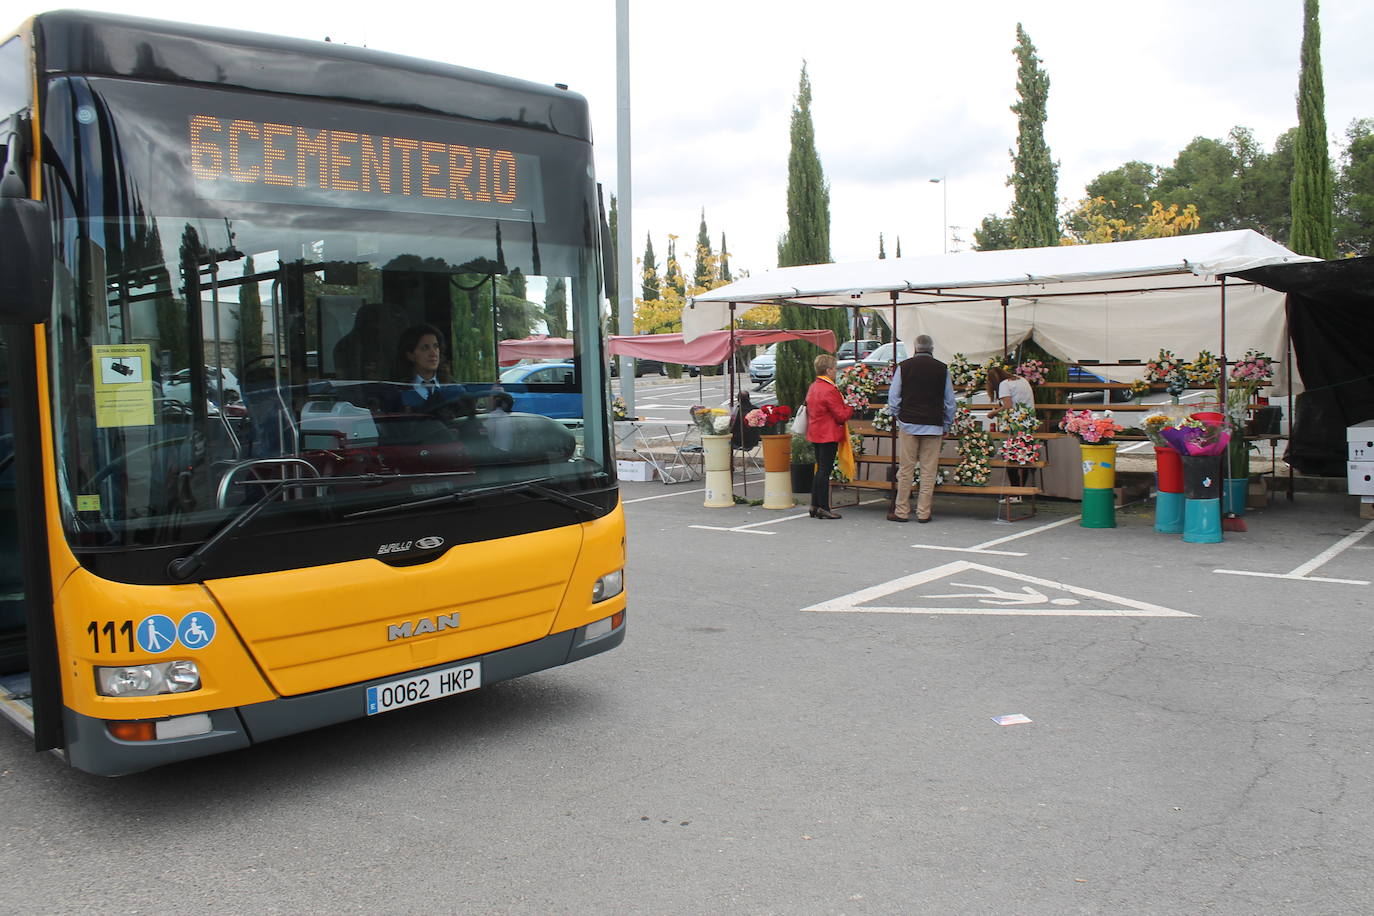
x: 1331, y: 319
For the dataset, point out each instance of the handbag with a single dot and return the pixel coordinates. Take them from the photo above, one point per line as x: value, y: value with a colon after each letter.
x: 800, y: 423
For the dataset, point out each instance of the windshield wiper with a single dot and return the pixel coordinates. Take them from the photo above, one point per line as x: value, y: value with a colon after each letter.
x: 538, y: 486
x: 184, y: 568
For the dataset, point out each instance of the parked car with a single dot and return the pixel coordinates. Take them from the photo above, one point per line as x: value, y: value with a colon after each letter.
x: 1081, y: 374
x: 763, y: 366
x: 544, y: 388
x: 178, y: 386
x: 862, y: 348
x: 642, y: 367
x: 883, y: 355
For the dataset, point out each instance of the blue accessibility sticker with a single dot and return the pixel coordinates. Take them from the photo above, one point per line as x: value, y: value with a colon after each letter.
x: 156, y: 633
x: 197, y: 630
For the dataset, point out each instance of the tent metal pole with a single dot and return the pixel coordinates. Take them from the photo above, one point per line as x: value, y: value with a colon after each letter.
x: 733, y: 408
x: 1005, y: 303
x: 1288, y: 374
x: 895, y: 338
x: 1221, y: 384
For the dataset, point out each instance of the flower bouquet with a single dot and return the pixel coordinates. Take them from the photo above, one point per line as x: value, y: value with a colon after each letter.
x: 1194, y: 437
x: 964, y: 421
x: 1254, y: 368
x: 884, y: 422
x: 964, y: 374
x: 1090, y: 428
x: 857, y: 386
x: 1154, y: 425
x: 1033, y: 371
x: 975, y: 449
x: 768, y: 417
x: 1162, y: 366
x: 1204, y: 371
x: 711, y: 421
x: 618, y: 409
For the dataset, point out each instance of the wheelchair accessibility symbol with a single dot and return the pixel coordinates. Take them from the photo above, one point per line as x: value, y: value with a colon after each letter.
x: 156, y: 633
x: 197, y: 630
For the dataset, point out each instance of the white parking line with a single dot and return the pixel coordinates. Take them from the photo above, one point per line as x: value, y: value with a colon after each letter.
x: 1321, y: 559
x: 984, y: 547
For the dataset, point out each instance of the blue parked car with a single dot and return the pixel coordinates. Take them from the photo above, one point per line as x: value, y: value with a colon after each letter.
x: 544, y: 388
x: 1081, y: 374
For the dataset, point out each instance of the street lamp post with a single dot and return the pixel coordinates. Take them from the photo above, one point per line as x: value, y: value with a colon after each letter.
x: 944, y: 213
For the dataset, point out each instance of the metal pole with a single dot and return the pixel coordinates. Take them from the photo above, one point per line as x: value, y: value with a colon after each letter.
x: 1225, y: 402
x: 1288, y: 377
x: 1005, y: 344
x: 625, y: 209
x: 733, y: 408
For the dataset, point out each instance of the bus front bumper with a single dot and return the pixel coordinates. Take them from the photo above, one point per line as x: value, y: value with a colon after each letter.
x: 91, y: 747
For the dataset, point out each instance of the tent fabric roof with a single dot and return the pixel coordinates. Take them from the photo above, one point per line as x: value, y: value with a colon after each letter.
x: 709, y: 348
x: 1168, y: 264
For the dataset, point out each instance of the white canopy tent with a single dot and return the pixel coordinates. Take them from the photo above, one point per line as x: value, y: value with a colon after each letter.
x: 1106, y: 303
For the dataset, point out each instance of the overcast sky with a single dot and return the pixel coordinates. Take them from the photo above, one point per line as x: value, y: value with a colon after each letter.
x: 903, y: 92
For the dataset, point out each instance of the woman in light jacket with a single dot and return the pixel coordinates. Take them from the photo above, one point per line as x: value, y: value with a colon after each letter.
x: 826, y: 413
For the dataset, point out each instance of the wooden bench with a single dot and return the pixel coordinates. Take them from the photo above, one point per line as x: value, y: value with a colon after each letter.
x: 866, y: 429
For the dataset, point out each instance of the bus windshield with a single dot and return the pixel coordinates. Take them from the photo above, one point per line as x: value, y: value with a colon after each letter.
x: 253, y: 291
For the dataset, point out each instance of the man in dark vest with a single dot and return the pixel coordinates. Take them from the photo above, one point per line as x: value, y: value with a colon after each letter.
x: 922, y: 400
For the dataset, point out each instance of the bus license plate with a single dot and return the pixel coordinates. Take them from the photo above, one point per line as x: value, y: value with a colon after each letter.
x: 423, y: 688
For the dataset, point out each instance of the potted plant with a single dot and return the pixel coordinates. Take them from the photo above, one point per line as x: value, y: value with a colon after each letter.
x: 803, y: 464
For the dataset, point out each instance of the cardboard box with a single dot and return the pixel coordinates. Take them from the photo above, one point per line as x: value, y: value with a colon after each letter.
x: 629, y: 469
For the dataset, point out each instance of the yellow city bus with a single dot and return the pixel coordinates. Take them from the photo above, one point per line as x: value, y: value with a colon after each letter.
x: 264, y: 464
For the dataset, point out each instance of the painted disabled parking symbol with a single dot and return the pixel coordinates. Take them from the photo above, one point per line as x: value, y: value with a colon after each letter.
x: 156, y: 633
x: 197, y: 630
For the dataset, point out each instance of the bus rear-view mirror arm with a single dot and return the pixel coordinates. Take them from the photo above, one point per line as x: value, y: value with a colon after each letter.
x: 26, y: 240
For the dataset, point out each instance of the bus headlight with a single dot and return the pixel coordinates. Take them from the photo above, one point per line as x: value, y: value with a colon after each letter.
x: 182, y: 676
x: 608, y: 586
x: 178, y: 676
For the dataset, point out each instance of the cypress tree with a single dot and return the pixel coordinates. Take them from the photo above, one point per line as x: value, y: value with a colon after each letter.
x: 898, y: 252
x: 672, y: 271
x: 1034, y: 177
x: 725, y: 276
x: 250, y: 315
x: 701, y: 273
x: 556, y: 308
x: 651, y: 283
x: 1313, y: 193
x: 882, y: 255
x: 807, y: 241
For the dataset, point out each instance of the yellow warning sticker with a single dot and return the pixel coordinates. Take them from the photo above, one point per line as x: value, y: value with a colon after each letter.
x: 123, y: 384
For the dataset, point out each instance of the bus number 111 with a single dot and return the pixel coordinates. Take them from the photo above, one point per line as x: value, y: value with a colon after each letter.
x: 126, y: 629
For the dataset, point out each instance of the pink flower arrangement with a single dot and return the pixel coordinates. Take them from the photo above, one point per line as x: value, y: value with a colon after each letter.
x: 1089, y: 428
x: 1254, y: 368
x: 768, y: 415
x: 1033, y: 371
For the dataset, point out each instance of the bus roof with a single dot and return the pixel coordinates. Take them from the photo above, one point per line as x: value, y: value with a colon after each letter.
x: 103, y: 44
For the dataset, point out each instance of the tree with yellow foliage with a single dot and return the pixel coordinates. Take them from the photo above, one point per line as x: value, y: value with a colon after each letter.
x: 1094, y: 222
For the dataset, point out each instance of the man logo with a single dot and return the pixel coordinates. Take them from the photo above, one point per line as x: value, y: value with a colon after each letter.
x: 407, y: 629
x: 429, y: 543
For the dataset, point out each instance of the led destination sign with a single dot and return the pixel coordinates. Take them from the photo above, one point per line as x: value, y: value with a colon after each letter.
x: 273, y: 161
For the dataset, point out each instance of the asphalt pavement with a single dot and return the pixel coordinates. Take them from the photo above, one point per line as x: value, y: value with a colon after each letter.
x: 803, y: 719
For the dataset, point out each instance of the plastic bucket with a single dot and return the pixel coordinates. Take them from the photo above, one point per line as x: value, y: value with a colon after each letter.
x: 1207, y: 416
x: 1099, y: 466
x: 1168, y: 470
x: 1233, y: 495
x: 1202, y: 476
x: 1099, y: 509
x: 1202, y: 521
x: 1169, y: 512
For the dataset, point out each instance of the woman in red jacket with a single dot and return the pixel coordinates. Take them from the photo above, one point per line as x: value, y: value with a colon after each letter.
x: 826, y: 413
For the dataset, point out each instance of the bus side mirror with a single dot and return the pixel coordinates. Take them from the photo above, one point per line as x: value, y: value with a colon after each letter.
x: 25, y: 261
